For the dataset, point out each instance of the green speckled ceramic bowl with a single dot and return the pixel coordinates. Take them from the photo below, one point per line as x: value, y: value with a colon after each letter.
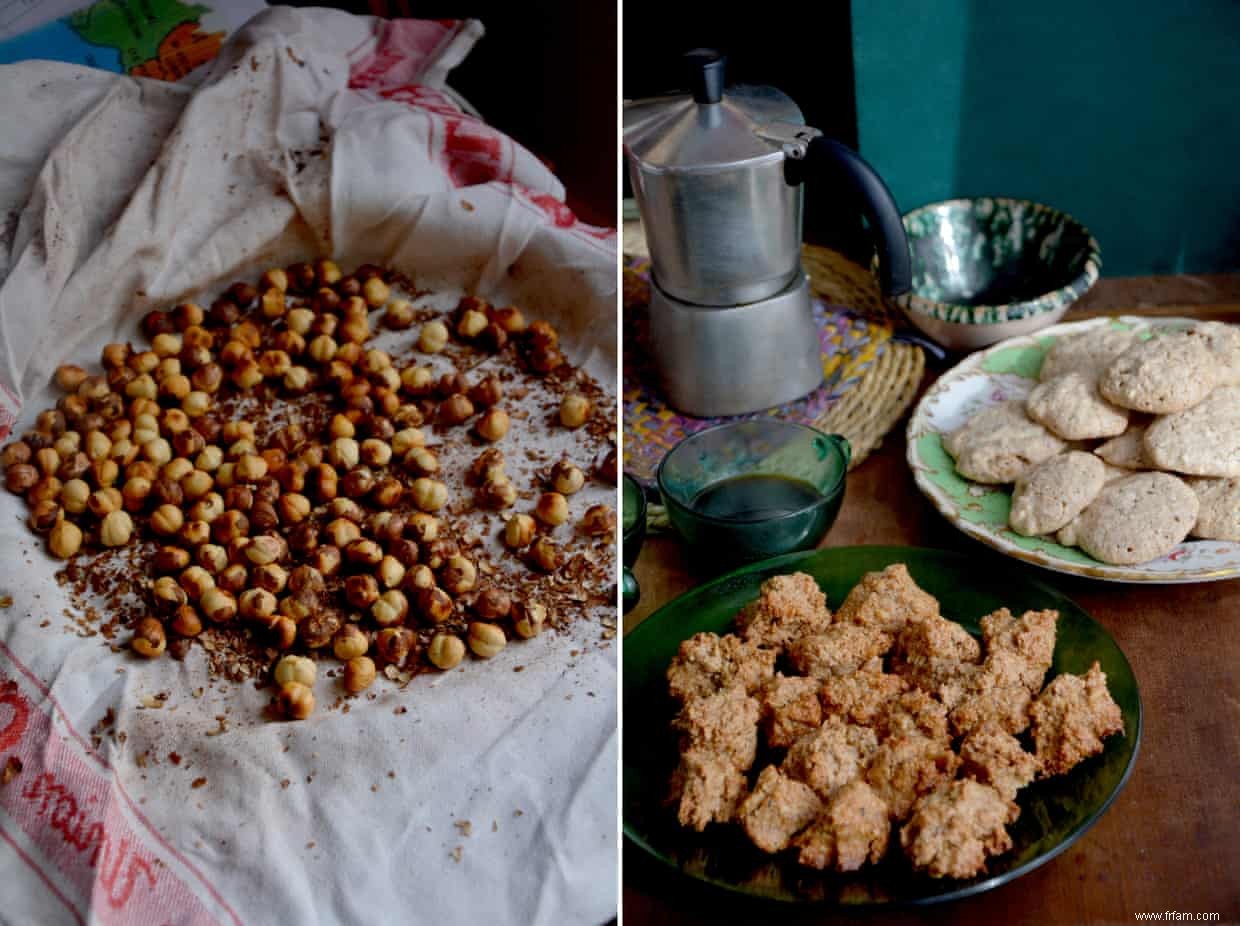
x: 988, y: 268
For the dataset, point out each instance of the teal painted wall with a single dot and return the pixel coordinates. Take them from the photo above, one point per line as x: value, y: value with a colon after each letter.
x: 1125, y: 114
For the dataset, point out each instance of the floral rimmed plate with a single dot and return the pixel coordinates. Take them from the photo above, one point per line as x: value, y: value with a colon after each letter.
x: 1009, y: 370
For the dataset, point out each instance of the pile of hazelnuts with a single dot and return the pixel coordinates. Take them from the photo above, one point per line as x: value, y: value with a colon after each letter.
x: 316, y: 541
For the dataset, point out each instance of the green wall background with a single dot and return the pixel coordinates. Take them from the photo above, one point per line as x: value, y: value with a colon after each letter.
x: 1125, y: 114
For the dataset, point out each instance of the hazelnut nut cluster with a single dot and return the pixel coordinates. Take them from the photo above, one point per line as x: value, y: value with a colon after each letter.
x: 315, y: 544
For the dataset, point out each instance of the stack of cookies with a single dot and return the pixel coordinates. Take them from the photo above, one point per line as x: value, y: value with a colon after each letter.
x: 1129, y: 443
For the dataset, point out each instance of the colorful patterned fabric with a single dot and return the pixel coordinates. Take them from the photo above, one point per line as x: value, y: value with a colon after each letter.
x: 850, y: 344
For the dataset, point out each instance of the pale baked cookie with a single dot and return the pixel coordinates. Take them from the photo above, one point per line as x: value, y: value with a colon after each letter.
x: 999, y: 443
x: 1126, y: 451
x: 1068, y: 534
x: 1071, y: 408
x: 1138, y: 519
x: 1052, y: 493
x: 1089, y: 353
x: 1162, y: 375
x: 1218, y: 518
x: 1202, y: 441
x: 1224, y: 341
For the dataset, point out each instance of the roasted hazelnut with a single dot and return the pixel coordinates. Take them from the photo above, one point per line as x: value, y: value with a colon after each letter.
x: 493, y: 425
x: 265, y: 549
x: 393, y: 645
x: 157, y: 451
x: 73, y: 466
x: 528, y: 618
x: 454, y: 410
x: 208, y: 508
x: 223, y: 313
x: 459, y: 575
x: 210, y: 556
x: 433, y: 604
x: 103, y: 502
x: 407, y: 439
x: 428, y: 494
x: 363, y: 553
x: 156, y: 322
x: 324, y: 482
x: 116, y: 529
x: 348, y: 509
x: 361, y: 591
x: 552, y: 509
x: 196, y: 484
x: 497, y: 493
x: 167, y: 520
x: 390, y: 572
x: 189, y: 443
x: 544, y: 555
x: 263, y: 516
x: 510, y: 319
x: 471, y: 323
x: 295, y: 669
x: 210, y: 460
x: 272, y: 303
x: 149, y: 639
x: 399, y: 314
x: 487, y: 392
x: 342, y: 532
x: 387, y: 492
x: 350, y: 642
x: 486, y: 640
x: 344, y: 453
x: 276, y: 278
x: 326, y: 559
x: 422, y: 527
x: 170, y: 559
x: 167, y: 595
x: 194, y: 405
x: 165, y: 491
x: 492, y: 604
x: 566, y: 478
x: 451, y: 383
x: 375, y: 452
x: 135, y: 493
x: 375, y: 292
x: 421, y: 462
x: 14, y: 453
x: 251, y: 468
x: 543, y: 359
x: 575, y: 410
x: 404, y: 552
x: 519, y: 531
x: 359, y: 674
x: 74, y: 496
x: 271, y: 577
x: 417, y: 381
x: 354, y: 330
x: 196, y: 581
x: 433, y: 337
x: 50, y: 422
x: 391, y: 609
x: 257, y: 604
x: 229, y: 526
x: 69, y: 377
x: 246, y: 375
x: 195, y: 533
x: 293, y: 508
x: 185, y: 622
x: 233, y: 578
x: 218, y: 606
x: 46, y: 461
x: 295, y: 701
x: 166, y: 345
x: 357, y: 482
x: 446, y: 651
x: 44, y: 515
x: 598, y: 521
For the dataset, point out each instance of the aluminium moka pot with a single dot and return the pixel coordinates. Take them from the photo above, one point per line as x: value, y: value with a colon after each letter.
x: 718, y: 179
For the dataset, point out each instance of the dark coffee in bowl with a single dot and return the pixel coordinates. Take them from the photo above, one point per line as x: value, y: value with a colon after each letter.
x: 756, y: 497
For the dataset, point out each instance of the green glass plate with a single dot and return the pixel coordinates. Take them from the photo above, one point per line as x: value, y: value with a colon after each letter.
x: 1054, y: 813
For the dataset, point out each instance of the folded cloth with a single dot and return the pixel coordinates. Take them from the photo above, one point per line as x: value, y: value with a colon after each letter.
x: 153, y: 793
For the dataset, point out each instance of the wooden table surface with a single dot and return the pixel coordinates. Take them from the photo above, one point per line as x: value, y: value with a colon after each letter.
x: 1171, y: 841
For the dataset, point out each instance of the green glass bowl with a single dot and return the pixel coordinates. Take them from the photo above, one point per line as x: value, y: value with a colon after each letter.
x: 1054, y: 813
x: 988, y: 268
x: 762, y: 446
x: 633, y: 527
